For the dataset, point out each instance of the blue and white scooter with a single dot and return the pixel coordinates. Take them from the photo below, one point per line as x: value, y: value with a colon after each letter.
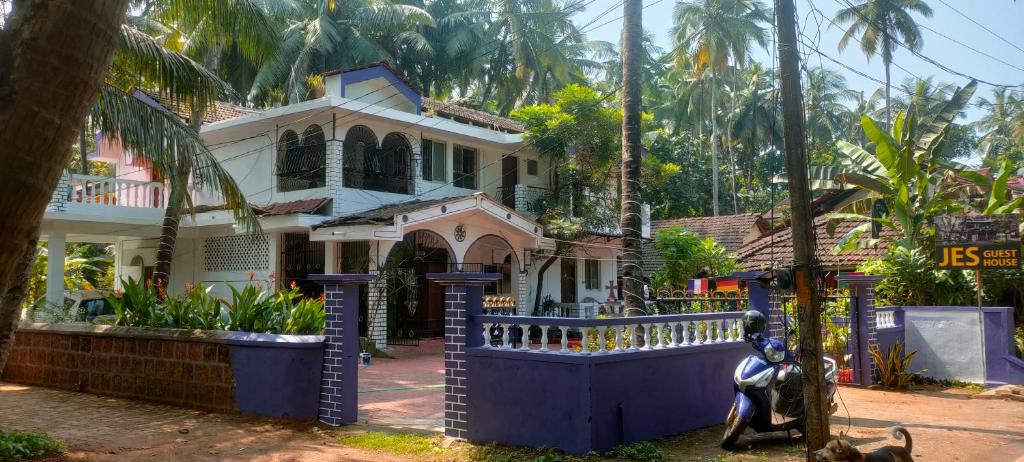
x: 769, y: 392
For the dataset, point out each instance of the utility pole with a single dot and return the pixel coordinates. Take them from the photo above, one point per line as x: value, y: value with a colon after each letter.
x: 805, y: 272
x: 632, y: 53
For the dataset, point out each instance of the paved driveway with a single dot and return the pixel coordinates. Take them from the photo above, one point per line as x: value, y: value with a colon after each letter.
x: 407, y: 391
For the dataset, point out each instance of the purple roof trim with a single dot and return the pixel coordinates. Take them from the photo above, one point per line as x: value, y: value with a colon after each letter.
x: 381, y: 71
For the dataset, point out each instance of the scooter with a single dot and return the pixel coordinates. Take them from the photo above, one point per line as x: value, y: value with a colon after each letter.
x: 769, y: 391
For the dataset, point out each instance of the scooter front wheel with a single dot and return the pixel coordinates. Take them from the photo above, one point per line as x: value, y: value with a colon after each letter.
x: 734, y: 427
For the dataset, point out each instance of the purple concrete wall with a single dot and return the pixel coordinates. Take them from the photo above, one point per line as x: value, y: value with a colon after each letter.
x: 1002, y: 366
x: 277, y: 375
x: 594, y: 403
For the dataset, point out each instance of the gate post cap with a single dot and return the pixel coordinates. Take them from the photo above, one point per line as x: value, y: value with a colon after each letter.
x: 467, y: 279
x: 342, y: 278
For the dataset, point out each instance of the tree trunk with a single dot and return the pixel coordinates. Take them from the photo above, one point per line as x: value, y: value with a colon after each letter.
x: 631, y: 221
x: 540, y: 282
x: 176, y: 198
x: 808, y: 302
x: 888, y: 103
x: 53, y: 57
x: 714, y: 149
x: 732, y: 155
x: 81, y: 149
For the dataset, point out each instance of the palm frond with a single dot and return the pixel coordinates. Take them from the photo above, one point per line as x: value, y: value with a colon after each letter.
x: 141, y: 61
x: 171, y: 147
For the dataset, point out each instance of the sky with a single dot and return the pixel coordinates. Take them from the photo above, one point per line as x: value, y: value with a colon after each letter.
x: 1002, y: 17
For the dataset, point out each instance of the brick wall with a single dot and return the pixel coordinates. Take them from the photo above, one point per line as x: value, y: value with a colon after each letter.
x: 179, y: 369
x: 455, y: 405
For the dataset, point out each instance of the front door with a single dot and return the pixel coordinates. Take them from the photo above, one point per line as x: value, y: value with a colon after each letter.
x: 568, y: 280
x: 509, y: 180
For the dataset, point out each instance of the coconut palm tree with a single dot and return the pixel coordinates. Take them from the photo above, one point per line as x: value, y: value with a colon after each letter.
x: 715, y: 33
x: 755, y: 117
x: 206, y: 29
x: 883, y: 26
x: 825, y: 98
x: 327, y: 34
x: 996, y: 125
x: 533, y: 48
x: 862, y: 105
x: 41, y: 44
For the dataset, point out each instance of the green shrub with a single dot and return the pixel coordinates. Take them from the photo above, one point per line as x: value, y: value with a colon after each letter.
x: 18, y: 445
x: 250, y: 309
x: 893, y: 366
x: 909, y: 278
x: 643, y: 451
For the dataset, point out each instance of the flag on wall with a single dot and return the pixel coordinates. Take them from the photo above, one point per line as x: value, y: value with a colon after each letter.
x: 727, y: 285
x: 697, y: 286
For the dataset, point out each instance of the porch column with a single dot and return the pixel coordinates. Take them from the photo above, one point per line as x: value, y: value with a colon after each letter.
x: 377, y: 298
x: 330, y: 257
x: 862, y: 289
x: 338, y: 381
x: 524, y: 293
x: 334, y: 175
x: 55, y: 269
x: 463, y: 301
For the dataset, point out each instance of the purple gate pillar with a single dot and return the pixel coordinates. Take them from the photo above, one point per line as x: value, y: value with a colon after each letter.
x: 862, y: 288
x: 757, y: 290
x: 338, y: 382
x: 463, y: 301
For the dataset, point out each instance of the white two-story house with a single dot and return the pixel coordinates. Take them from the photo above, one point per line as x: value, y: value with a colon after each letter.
x: 369, y: 172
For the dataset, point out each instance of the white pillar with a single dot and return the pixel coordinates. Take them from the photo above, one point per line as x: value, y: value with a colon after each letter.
x: 55, y: 269
x: 330, y: 257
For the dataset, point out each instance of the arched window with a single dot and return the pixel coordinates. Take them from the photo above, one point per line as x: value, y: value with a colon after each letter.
x: 360, y: 143
x: 302, y: 164
x: 395, y: 160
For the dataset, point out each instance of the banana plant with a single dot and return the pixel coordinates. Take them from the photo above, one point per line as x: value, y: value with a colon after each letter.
x: 902, y: 173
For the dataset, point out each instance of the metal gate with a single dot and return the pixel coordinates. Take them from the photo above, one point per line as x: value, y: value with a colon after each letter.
x: 840, y: 332
x: 301, y: 257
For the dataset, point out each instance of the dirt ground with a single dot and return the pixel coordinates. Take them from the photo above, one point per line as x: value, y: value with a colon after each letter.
x: 946, y: 425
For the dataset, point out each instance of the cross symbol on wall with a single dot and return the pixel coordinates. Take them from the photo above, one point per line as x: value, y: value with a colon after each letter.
x: 611, y: 290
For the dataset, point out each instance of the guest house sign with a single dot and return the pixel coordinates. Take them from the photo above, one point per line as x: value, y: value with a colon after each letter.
x: 978, y: 242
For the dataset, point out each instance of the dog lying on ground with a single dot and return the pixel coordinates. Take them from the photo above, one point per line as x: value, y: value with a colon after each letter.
x: 840, y: 450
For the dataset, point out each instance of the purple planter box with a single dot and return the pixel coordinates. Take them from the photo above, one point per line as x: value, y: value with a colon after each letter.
x: 594, y: 403
x: 277, y: 375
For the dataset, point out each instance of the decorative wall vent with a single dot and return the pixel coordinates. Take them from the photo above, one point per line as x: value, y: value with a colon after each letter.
x: 237, y: 253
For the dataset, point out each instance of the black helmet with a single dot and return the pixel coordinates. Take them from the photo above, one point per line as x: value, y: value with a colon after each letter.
x: 754, y: 322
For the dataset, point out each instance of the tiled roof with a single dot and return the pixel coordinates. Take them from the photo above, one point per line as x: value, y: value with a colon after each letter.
x: 288, y: 208
x: 759, y: 253
x: 384, y: 214
x: 311, y: 206
x: 729, y: 231
x: 220, y: 112
x: 473, y: 116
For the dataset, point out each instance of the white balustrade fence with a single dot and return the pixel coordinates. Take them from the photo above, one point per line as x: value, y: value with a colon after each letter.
x: 620, y: 335
x: 98, y: 191
x: 884, y: 319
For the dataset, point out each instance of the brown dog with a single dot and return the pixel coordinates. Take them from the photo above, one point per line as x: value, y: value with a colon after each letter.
x: 840, y: 450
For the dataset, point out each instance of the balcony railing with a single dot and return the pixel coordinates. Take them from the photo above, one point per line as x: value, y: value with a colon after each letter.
x: 97, y: 192
x: 523, y: 198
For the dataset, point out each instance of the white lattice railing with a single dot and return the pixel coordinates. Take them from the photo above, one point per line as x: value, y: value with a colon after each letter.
x: 102, y: 192
x: 620, y: 335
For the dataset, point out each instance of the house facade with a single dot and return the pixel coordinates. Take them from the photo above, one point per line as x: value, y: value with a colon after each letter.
x: 370, y: 177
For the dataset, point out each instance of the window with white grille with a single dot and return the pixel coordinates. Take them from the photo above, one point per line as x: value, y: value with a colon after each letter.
x: 237, y: 253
